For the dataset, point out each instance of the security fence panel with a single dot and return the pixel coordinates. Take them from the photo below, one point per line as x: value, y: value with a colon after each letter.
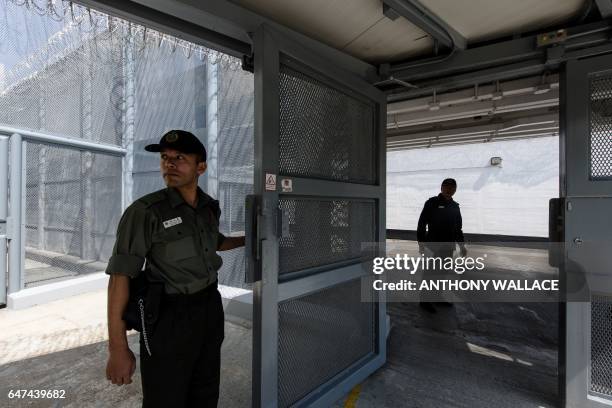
x: 319, y: 195
x: 74, y: 73
x: 586, y: 160
x: 72, y: 204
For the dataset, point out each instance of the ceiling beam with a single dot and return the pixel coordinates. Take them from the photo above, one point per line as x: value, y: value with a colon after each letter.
x: 484, y: 108
x: 605, y: 8
x: 469, y: 79
x: 502, y: 53
x: 500, y: 124
x: 537, y: 84
x: 420, y: 16
x: 523, y: 127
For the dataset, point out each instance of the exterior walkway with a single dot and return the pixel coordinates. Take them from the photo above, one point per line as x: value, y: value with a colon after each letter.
x: 469, y: 355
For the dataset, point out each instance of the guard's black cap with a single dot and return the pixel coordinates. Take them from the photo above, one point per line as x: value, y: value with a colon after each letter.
x: 449, y: 182
x: 180, y: 140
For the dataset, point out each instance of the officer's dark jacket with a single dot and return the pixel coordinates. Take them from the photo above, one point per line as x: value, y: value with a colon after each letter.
x: 440, y: 221
x: 178, y: 242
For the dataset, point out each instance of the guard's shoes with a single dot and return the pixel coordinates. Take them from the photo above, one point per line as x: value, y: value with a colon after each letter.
x: 427, y: 307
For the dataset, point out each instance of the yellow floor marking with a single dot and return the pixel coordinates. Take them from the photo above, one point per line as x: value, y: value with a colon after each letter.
x: 352, y: 397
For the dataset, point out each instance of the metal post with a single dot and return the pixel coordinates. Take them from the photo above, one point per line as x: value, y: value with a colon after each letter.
x: 42, y: 199
x: 22, y: 207
x: 87, y: 158
x: 4, y: 157
x: 129, y: 112
x: 212, y: 128
x: 15, y: 223
x: 88, y: 250
x: 3, y: 213
x: 42, y: 161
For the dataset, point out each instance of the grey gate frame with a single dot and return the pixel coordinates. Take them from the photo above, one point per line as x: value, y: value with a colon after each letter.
x: 313, y: 338
x: 586, y: 189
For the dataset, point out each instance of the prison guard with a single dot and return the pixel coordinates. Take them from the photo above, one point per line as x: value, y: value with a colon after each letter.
x: 179, y: 242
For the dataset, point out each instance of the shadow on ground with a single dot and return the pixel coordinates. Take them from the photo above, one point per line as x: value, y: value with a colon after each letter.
x: 469, y: 355
x: 80, y: 372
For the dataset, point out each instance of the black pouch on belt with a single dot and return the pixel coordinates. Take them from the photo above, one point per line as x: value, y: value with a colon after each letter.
x: 142, y: 309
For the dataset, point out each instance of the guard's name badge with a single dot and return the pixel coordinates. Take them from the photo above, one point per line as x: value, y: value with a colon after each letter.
x: 172, y: 222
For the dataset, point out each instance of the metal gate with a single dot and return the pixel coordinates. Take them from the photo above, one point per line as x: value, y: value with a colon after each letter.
x: 586, y: 171
x: 320, y: 194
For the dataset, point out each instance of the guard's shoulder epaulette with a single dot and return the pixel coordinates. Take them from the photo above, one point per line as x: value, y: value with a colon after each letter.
x: 153, y: 197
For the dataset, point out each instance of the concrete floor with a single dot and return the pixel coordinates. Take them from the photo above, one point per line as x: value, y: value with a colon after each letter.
x: 470, y: 355
x: 62, y: 345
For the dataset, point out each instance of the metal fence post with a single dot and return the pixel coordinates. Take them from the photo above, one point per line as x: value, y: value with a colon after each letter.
x: 15, y: 224
x: 212, y: 127
x: 4, y: 156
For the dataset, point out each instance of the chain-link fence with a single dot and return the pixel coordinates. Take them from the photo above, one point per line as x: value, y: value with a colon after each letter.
x: 69, y: 71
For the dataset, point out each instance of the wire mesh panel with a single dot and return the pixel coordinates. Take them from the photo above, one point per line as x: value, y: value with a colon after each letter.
x: 73, y: 204
x: 601, y: 345
x: 323, y: 231
x: 320, y: 335
x: 324, y: 133
x: 601, y: 127
x: 61, y: 76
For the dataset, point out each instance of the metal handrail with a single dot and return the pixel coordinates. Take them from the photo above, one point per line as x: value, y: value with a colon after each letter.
x: 15, y: 221
x: 47, y: 138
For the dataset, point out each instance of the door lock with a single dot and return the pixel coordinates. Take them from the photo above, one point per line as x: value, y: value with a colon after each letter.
x: 577, y: 240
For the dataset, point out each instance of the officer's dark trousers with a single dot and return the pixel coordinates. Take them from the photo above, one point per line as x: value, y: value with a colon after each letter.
x: 441, y: 251
x: 184, y: 367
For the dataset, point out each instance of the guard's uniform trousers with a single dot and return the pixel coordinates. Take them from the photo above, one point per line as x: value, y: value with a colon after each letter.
x: 184, y: 365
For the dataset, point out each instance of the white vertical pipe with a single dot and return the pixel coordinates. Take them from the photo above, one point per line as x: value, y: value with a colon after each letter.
x: 4, y: 166
x: 212, y: 128
x: 129, y: 109
x: 22, y: 207
x: 15, y: 206
x: 86, y: 170
x: 4, y: 157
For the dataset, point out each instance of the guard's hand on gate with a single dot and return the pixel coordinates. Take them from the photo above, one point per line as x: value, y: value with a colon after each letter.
x: 120, y: 366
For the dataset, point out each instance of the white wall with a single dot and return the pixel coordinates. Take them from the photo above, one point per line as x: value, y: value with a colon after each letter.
x: 511, y: 199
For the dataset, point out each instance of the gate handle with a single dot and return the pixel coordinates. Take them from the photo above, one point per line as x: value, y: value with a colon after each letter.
x: 252, y: 254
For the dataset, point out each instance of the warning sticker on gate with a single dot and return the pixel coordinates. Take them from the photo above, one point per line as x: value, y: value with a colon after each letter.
x: 270, y: 182
x: 287, y: 185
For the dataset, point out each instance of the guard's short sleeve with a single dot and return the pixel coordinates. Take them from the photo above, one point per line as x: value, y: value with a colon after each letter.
x: 132, y: 243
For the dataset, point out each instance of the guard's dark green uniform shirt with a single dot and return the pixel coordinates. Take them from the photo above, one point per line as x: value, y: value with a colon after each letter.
x: 178, y: 241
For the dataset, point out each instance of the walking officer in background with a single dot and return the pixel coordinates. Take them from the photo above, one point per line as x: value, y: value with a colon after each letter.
x: 172, y: 237
x: 440, y: 227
